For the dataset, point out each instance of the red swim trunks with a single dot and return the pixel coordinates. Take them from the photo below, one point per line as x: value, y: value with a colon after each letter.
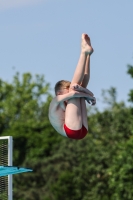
x: 76, y: 134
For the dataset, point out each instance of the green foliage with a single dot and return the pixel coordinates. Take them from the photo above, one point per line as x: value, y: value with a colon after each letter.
x: 24, y: 115
x: 110, y: 96
x: 99, y: 167
x: 130, y: 71
x: 121, y: 172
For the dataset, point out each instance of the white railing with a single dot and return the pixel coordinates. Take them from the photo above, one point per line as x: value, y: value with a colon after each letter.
x: 10, y: 163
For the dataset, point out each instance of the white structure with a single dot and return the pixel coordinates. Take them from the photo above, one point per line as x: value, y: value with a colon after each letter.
x: 6, y: 155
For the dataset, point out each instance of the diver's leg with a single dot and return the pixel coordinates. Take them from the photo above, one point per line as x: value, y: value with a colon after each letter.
x: 74, y: 113
x: 86, y: 49
x: 84, y: 113
x: 86, y: 72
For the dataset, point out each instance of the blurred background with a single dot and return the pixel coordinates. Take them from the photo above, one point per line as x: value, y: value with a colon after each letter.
x: 43, y: 37
x: 40, y: 45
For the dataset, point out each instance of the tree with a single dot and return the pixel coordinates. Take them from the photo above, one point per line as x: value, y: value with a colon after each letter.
x: 24, y: 115
x: 121, y: 172
x: 97, y: 167
x: 130, y: 71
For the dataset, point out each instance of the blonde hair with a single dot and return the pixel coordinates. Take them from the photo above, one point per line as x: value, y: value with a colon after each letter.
x: 60, y: 85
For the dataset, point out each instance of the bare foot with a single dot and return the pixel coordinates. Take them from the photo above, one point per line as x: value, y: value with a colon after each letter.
x: 86, y: 44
